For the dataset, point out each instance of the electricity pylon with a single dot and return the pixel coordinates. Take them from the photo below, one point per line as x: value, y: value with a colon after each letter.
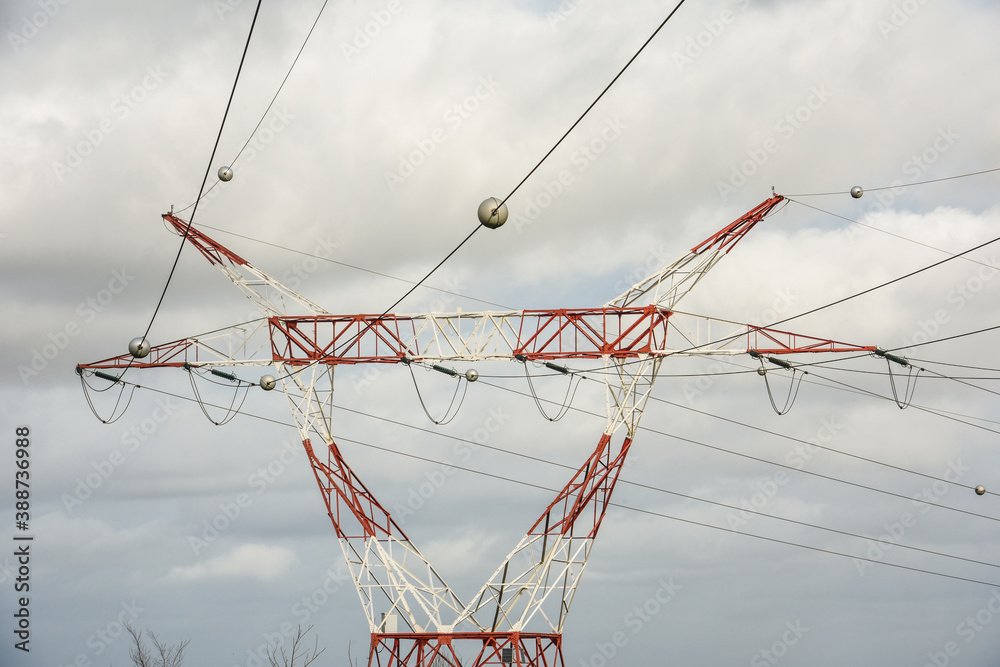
x: 517, y: 617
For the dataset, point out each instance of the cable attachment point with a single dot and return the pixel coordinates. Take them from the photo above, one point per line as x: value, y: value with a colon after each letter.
x: 233, y: 409
x: 780, y: 362
x: 902, y: 361
x: 222, y: 374
x: 114, y: 380
x: 447, y: 371
x: 793, y: 388
x: 448, y: 414
x: 911, y: 378
x: 105, y: 376
x: 571, y: 388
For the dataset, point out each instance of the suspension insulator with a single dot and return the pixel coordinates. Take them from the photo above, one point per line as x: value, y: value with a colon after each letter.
x: 780, y: 362
x: 223, y: 374
x: 447, y: 371
x: 107, y: 376
x: 902, y: 361
x: 557, y: 368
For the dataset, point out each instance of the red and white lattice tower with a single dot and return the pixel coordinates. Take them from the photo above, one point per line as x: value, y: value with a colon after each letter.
x: 517, y: 617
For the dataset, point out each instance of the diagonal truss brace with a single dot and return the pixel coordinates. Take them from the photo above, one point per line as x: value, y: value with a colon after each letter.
x: 668, y: 285
x: 393, y: 579
x: 539, y: 577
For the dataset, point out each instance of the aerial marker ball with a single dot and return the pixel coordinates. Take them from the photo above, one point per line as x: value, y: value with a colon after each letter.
x: 980, y: 490
x: 856, y: 192
x: 491, y: 216
x: 471, y: 375
x: 761, y: 371
x: 225, y: 174
x: 267, y: 382
x: 138, y: 348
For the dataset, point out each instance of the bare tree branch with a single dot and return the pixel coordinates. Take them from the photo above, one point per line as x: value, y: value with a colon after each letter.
x: 286, y: 660
x: 141, y: 656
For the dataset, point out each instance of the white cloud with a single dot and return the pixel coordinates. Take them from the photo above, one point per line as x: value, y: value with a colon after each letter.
x: 256, y: 561
x: 652, y: 192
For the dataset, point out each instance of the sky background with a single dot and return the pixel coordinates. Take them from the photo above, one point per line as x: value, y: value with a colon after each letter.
x: 376, y: 154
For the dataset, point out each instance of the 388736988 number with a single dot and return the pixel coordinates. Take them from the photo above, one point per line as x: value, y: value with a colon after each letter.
x: 22, y: 492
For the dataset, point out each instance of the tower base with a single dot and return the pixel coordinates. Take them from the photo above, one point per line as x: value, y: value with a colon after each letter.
x: 502, y: 649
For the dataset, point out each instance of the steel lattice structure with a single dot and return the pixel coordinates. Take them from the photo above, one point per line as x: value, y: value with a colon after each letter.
x: 518, y: 615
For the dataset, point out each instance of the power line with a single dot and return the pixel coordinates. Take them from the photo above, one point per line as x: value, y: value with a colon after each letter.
x: 728, y: 339
x: 505, y: 478
x: 804, y: 546
x: 352, y: 266
x: 270, y: 104
x: 933, y: 411
x: 811, y: 444
x: 592, y: 104
x: 208, y: 170
x: 944, y: 363
x: 901, y: 185
x: 765, y: 461
x: 941, y: 340
x: 883, y: 231
x: 533, y: 169
x: 843, y: 386
x: 889, y: 282
x: 368, y: 326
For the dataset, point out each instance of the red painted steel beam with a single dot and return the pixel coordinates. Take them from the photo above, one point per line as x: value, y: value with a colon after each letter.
x: 582, y: 333
x: 729, y: 236
x: 401, y: 649
x: 758, y: 340
x: 587, y: 494
x: 593, y: 333
x: 213, y: 251
x: 345, y: 496
x: 168, y: 355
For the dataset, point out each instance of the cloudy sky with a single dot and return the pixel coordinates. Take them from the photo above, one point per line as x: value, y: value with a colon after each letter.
x: 399, y: 118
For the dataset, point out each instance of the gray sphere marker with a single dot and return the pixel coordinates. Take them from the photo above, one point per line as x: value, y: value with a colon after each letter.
x: 138, y: 347
x: 490, y: 215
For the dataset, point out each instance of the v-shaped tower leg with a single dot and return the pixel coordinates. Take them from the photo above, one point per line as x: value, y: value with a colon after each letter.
x: 400, y: 591
x: 539, y: 577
